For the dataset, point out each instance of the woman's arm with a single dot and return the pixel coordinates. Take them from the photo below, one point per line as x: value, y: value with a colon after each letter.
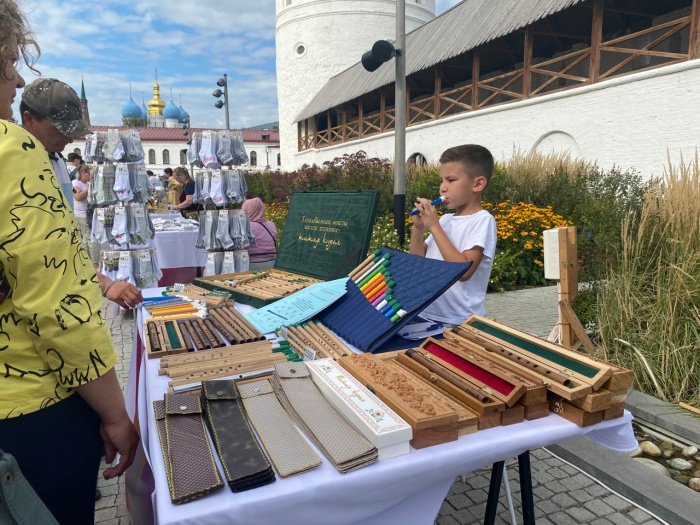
x: 105, y: 397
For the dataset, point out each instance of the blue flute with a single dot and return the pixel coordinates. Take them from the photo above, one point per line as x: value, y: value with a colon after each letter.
x: 437, y: 201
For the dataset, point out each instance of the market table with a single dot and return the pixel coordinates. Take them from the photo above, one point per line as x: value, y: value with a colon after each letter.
x: 178, y: 258
x: 404, y: 489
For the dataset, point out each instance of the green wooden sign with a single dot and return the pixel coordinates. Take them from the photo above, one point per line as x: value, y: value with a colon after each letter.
x: 326, y: 233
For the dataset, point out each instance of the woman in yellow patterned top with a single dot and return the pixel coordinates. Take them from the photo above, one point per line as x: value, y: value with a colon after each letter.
x: 61, y: 406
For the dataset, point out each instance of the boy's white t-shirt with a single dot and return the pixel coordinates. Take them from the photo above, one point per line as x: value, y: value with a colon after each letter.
x: 464, y: 298
x: 80, y: 207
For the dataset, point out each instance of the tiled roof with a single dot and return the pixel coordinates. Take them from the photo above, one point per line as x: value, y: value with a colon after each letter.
x: 461, y: 28
x: 268, y: 136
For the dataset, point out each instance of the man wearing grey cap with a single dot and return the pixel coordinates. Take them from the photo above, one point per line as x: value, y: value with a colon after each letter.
x: 51, y: 112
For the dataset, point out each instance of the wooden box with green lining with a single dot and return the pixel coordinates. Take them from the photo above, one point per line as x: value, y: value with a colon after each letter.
x: 325, y: 236
x: 579, y: 369
x: 163, y: 338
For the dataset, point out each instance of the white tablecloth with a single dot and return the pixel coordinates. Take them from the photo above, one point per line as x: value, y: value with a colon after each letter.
x: 404, y: 490
x: 167, y: 216
x: 177, y: 250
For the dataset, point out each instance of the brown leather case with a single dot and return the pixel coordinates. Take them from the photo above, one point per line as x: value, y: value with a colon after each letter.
x: 189, y: 460
x: 245, y: 464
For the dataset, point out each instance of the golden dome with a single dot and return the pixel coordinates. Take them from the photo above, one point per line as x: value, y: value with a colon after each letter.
x: 156, y: 104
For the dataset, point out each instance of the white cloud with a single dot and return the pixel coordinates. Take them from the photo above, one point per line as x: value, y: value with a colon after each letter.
x: 117, y: 43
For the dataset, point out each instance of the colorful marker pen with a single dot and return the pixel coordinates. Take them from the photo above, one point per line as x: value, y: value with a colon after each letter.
x: 437, y: 201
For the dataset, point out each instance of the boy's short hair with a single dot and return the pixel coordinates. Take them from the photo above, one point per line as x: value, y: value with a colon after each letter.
x: 168, y: 171
x: 476, y: 159
x: 72, y: 156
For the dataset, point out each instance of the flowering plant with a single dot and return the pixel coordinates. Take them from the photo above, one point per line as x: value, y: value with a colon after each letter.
x: 519, y: 250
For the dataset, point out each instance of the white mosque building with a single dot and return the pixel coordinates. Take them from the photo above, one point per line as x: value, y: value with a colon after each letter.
x: 613, y: 81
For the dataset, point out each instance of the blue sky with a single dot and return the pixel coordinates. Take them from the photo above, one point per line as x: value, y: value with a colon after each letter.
x: 115, y: 44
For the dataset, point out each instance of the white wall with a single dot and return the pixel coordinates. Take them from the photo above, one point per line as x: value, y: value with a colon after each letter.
x: 631, y: 122
x: 334, y: 34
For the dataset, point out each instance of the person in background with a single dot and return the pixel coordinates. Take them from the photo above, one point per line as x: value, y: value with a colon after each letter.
x: 174, y: 188
x: 51, y: 112
x: 185, y: 200
x: 73, y: 163
x: 467, y: 235
x: 264, y: 253
x: 80, y: 194
x: 153, y: 180
x: 61, y: 406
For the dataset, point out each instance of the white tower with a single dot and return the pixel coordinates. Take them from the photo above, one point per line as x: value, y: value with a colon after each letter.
x: 317, y: 39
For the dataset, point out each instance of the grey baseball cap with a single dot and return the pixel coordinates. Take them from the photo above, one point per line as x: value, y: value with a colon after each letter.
x: 57, y: 101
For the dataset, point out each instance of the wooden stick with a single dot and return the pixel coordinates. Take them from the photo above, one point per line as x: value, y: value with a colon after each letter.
x: 363, y: 265
x: 686, y: 406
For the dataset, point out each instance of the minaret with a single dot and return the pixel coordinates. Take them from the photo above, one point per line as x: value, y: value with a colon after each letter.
x: 317, y: 39
x: 84, y: 103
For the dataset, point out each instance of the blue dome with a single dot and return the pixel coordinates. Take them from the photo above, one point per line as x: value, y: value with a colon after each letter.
x: 131, y: 110
x: 171, y: 111
x: 184, y: 116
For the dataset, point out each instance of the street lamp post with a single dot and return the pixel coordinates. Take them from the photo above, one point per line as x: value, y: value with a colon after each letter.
x: 222, y: 83
x: 383, y: 50
x: 400, y: 127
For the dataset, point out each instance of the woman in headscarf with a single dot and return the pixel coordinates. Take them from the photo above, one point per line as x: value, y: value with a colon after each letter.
x: 264, y: 253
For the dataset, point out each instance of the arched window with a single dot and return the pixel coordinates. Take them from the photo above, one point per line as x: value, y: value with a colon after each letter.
x: 183, y: 157
x: 417, y: 159
x: 279, y: 159
x: 151, y: 156
x: 166, y: 157
x: 253, y: 158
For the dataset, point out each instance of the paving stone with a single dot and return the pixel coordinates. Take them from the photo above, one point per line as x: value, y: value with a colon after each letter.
x: 562, y: 518
x: 114, y: 521
x: 105, y: 501
x: 446, y: 508
x: 540, y: 453
x: 572, y: 483
x: 619, y: 519
x: 556, y: 487
x: 616, y: 502
x: 563, y: 500
x: 447, y: 520
x: 548, y: 507
x: 599, y: 507
x: 597, y: 491
x: 465, y: 516
x: 459, y: 501
x: 479, y: 482
x: 559, y: 474
x: 600, y: 521
x: 479, y: 495
x: 105, y: 514
x: 638, y: 515
x: 580, y: 514
x: 580, y: 495
x: 542, y: 492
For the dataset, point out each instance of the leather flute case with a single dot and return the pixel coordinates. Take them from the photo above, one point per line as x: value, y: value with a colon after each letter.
x: 189, y: 460
x: 245, y: 464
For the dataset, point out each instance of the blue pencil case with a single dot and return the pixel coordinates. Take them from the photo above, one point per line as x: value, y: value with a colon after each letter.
x: 419, y: 281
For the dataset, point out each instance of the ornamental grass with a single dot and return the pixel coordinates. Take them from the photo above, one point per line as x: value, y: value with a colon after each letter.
x: 649, y: 306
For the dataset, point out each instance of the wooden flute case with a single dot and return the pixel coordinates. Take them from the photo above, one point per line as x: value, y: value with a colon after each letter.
x: 581, y: 389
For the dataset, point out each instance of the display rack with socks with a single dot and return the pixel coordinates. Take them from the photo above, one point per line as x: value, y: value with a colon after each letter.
x: 220, y: 188
x: 119, y: 190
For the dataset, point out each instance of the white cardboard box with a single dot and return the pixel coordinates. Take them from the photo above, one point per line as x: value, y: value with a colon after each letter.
x: 383, y: 427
